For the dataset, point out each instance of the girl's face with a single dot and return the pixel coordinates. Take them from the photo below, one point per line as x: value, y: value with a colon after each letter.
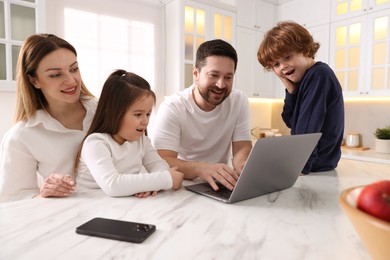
x: 58, y: 77
x: 292, y: 66
x: 135, y: 120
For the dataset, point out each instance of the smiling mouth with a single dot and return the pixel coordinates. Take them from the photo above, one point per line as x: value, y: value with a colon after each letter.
x: 69, y: 90
x: 290, y: 72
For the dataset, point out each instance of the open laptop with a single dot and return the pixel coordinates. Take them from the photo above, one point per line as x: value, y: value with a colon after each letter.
x: 274, y: 164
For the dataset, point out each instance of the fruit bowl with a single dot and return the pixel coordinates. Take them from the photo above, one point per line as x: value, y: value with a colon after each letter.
x: 374, y: 232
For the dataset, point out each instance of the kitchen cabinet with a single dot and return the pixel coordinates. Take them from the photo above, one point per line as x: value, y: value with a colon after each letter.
x: 254, y: 18
x: 18, y: 20
x: 256, y: 14
x: 188, y: 24
x: 360, y: 54
x: 250, y: 76
x: 306, y: 12
x: 344, y: 9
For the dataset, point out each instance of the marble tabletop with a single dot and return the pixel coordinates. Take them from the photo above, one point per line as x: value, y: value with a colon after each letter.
x: 302, y: 222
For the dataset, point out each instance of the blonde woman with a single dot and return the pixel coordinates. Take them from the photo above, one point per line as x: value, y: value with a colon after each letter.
x: 54, y: 110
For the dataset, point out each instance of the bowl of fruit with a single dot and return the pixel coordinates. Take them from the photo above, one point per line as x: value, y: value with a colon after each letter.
x: 368, y: 208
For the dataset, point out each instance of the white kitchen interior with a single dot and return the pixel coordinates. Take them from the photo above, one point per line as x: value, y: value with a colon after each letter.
x: 153, y: 38
x: 158, y: 39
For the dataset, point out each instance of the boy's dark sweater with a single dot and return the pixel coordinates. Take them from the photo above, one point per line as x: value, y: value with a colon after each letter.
x: 318, y: 106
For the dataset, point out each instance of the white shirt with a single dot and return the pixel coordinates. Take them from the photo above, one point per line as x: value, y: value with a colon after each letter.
x: 116, y: 168
x: 40, y: 145
x: 181, y: 126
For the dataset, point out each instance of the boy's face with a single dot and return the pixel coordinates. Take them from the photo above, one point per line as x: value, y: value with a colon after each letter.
x: 292, y: 66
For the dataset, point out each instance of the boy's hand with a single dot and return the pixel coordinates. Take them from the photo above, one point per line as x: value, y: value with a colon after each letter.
x: 290, y: 86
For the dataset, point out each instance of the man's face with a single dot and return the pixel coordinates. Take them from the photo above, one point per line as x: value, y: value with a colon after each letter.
x: 214, y: 80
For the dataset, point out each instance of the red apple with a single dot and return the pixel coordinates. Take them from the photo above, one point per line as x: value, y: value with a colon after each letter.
x: 375, y: 200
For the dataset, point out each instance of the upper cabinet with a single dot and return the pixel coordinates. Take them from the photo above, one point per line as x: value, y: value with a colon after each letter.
x: 306, y: 12
x: 344, y: 9
x: 256, y: 14
x: 18, y: 20
x: 360, y: 52
x: 254, y: 18
x: 189, y: 24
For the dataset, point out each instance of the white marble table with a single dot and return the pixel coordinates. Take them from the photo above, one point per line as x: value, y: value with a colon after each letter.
x: 303, y: 222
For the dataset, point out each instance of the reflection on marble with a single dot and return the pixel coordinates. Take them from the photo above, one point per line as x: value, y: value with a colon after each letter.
x: 303, y: 222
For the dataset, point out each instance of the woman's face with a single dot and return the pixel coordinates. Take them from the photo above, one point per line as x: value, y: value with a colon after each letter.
x: 58, y: 77
x: 135, y: 120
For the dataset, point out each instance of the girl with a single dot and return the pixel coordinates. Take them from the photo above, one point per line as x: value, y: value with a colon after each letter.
x: 116, y: 146
x: 54, y: 110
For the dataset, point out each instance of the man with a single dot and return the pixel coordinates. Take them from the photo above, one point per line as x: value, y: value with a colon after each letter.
x: 201, y: 127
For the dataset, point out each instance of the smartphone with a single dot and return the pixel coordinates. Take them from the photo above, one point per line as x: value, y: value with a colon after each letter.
x: 117, y: 229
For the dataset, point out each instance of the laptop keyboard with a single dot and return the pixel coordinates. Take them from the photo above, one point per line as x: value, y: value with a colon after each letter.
x: 223, y: 192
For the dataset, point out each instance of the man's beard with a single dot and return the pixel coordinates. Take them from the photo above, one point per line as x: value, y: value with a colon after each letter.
x: 206, y: 97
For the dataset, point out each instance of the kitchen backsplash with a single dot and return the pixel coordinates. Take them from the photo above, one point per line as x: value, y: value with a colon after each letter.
x: 363, y: 116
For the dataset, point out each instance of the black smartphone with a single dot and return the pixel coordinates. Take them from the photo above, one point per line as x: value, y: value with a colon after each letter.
x: 117, y: 229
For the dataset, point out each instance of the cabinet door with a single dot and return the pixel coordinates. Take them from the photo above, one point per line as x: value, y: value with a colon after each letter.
x: 246, y: 13
x: 188, y: 24
x: 18, y: 20
x: 347, y: 54
x: 343, y: 9
x: 321, y: 34
x: 250, y: 76
x: 378, y: 54
x: 256, y: 14
x: 306, y: 12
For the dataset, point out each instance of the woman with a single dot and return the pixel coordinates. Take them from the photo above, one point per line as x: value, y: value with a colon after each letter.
x: 54, y: 110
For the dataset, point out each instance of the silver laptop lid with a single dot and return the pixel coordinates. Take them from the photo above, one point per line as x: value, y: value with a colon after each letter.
x: 274, y: 164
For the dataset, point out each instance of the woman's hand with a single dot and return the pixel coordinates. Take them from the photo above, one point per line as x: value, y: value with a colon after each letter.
x: 57, y: 185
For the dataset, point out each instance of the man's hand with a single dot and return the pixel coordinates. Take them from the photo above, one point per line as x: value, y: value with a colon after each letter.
x: 57, y: 185
x: 218, y: 172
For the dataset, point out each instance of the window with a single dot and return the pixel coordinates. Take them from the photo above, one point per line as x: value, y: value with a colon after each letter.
x: 106, y: 43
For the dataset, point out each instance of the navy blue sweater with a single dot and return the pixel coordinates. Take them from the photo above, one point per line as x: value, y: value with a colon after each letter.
x: 318, y: 106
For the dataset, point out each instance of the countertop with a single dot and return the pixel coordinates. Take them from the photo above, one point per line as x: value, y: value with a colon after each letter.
x: 302, y: 222
x: 366, y: 155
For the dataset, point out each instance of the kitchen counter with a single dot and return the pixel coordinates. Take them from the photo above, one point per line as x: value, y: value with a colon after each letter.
x: 302, y: 222
x: 366, y: 155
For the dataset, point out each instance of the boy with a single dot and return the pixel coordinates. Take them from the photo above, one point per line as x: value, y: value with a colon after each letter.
x: 314, y: 100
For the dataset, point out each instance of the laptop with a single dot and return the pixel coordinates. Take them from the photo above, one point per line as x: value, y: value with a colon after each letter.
x: 273, y: 164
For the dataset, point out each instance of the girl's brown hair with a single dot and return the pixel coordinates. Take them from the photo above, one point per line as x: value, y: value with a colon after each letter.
x: 120, y: 91
x: 284, y: 38
x: 28, y: 98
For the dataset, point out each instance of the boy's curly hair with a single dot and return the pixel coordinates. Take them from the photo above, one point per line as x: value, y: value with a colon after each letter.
x: 284, y: 38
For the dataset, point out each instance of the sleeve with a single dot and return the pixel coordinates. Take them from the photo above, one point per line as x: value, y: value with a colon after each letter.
x: 152, y: 160
x: 288, y: 108
x: 242, y: 127
x: 166, y: 128
x: 97, y: 156
x: 312, y: 111
x: 18, y: 170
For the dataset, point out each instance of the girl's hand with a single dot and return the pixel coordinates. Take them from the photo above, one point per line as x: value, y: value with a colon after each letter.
x: 145, y: 194
x: 177, y: 178
x: 57, y: 185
